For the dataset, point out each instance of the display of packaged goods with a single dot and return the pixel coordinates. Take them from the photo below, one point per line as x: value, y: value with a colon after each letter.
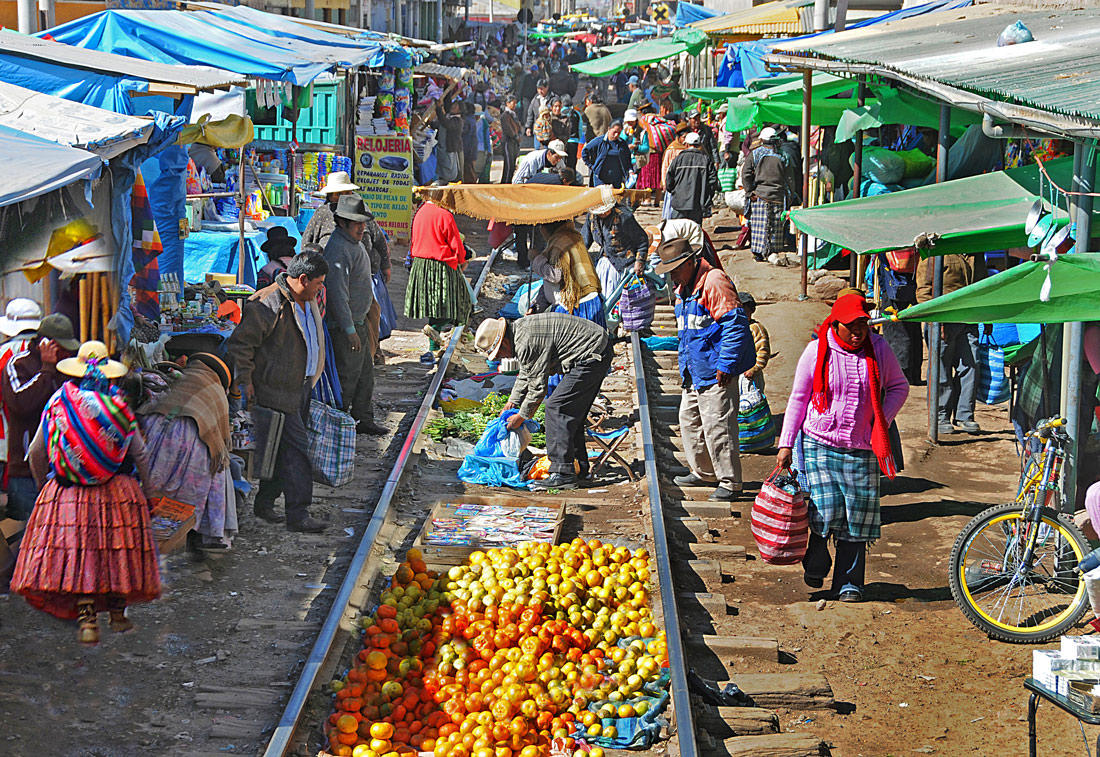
x: 1081, y: 647
x: 403, y: 78
x: 1085, y: 694
x: 387, y: 80
x: 1064, y: 678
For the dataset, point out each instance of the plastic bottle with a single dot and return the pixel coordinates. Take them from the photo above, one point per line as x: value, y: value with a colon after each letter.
x: 1089, y: 562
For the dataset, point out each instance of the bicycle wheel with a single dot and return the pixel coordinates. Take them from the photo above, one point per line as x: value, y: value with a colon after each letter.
x: 1010, y: 603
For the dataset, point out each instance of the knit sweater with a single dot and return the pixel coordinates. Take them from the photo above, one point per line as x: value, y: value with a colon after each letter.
x: 848, y: 420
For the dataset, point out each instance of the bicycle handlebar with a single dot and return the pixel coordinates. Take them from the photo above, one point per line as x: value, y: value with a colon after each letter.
x: 1045, y: 428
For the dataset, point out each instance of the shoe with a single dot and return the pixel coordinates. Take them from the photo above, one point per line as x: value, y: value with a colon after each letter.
x: 722, y: 494
x: 583, y: 473
x: 851, y: 595
x: 555, y: 481
x: 432, y: 334
x: 812, y: 581
x: 380, y: 359
x: 268, y: 514
x: 970, y: 427
x: 690, y: 479
x: 308, y: 525
x: 88, y: 623
x: 119, y: 622
x: 372, y: 428
x: 946, y: 429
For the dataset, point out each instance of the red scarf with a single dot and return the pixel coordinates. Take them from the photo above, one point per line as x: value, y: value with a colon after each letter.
x: 880, y: 437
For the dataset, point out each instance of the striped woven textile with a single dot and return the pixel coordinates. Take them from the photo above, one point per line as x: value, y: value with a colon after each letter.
x: 146, y: 247
x: 88, y: 434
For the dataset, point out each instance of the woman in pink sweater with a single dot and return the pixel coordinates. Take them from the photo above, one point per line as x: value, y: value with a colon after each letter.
x: 848, y: 387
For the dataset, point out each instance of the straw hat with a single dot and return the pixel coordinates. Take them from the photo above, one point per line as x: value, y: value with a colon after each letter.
x: 337, y: 181
x: 489, y: 336
x: 91, y: 353
x: 20, y: 315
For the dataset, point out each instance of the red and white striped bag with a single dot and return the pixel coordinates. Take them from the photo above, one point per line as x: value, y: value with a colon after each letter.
x: 780, y: 523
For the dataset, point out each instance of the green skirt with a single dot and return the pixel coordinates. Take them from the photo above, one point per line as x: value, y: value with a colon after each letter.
x: 436, y: 292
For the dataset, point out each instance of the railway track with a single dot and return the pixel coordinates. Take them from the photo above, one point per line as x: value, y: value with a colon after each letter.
x: 674, y: 524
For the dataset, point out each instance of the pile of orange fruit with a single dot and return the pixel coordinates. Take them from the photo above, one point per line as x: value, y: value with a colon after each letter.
x: 451, y: 669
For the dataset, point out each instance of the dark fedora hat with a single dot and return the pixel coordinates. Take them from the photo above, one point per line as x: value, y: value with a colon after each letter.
x: 673, y: 253
x: 352, y: 208
x: 279, y: 242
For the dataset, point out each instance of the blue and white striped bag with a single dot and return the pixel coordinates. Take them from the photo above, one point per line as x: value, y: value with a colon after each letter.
x: 993, y: 384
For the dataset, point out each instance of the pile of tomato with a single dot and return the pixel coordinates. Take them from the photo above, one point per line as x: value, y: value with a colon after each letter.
x: 498, y: 658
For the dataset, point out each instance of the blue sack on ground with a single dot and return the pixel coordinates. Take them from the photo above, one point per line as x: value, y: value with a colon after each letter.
x: 498, y: 441
x: 492, y: 471
x: 521, y: 300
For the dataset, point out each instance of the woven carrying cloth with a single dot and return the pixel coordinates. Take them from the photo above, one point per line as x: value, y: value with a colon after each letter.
x: 88, y: 433
x: 844, y: 496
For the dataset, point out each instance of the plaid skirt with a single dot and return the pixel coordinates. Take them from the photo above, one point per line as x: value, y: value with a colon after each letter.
x: 766, y: 224
x: 843, y: 487
x: 436, y: 292
x: 88, y: 541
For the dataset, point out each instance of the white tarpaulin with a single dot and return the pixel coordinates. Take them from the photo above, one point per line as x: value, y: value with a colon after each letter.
x: 68, y: 123
x: 34, y: 166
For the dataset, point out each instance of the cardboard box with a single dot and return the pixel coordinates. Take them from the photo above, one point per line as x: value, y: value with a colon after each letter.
x: 171, y: 520
x: 1081, y: 647
x: 1082, y: 694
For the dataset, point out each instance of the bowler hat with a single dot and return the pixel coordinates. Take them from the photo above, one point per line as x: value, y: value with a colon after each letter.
x: 673, y: 253
x: 278, y: 242
x: 352, y: 208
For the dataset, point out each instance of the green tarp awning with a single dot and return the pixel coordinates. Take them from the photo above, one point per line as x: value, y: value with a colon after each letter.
x: 715, y: 93
x: 1016, y: 295
x: 783, y: 104
x: 897, y: 107
x: 640, y: 53
x: 977, y: 214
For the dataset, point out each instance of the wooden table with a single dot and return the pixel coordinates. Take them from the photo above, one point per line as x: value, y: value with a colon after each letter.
x: 1039, y: 693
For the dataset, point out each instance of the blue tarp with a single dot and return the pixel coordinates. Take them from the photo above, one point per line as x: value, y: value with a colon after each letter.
x: 34, y: 166
x: 74, y: 84
x: 189, y: 39
x: 687, y: 13
x: 744, y: 61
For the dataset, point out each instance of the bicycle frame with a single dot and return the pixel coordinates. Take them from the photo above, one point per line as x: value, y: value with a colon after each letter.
x: 1045, y: 477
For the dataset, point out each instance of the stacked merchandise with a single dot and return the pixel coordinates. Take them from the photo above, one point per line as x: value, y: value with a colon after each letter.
x: 481, y: 526
x: 387, y: 112
x: 316, y: 166
x: 1072, y: 671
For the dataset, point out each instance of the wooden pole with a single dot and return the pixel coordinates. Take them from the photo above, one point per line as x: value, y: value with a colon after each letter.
x: 105, y: 293
x: 93, y: 295
x: 83, y: 309
x: 807, y: 100
x: 240, y: 218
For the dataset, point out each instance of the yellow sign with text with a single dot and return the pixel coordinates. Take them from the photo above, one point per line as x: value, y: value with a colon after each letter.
x: 383, y: 171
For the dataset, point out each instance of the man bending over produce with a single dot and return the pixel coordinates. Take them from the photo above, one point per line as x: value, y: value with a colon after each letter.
x: 546, y: 344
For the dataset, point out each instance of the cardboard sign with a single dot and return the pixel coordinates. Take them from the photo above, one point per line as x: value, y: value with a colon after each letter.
x: 383, y: 171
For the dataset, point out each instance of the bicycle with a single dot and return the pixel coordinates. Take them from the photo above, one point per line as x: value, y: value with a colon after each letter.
x: 1014, y: 566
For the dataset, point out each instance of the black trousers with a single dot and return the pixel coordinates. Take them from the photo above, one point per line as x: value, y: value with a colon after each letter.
x: 511, y: 155
x: 851, y: 562
x: 523, y: 239
x: 356, y: 372
x: 567, y: 413
x: 293, y: 470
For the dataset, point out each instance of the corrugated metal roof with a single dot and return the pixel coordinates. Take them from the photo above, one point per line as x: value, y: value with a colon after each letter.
x: 197, y: 77
x: 1058, y: 72
x: 455, y: 73
x: 781, y: 17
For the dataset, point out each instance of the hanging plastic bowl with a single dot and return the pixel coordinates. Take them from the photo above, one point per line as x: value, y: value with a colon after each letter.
x: 1041, y: 230
x: 1060, y: 242
x: 1033, y: 216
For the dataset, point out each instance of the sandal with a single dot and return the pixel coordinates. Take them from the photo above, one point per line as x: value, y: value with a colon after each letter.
x: 87, y: 619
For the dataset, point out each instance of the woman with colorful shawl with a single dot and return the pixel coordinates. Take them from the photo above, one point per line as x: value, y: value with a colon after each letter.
x: 658, y: 135
x: 186, y: 432
x: 88, y: 547
x: 848, y: 388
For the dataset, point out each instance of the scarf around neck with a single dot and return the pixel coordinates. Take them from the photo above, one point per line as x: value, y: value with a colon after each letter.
x: 880, y: 437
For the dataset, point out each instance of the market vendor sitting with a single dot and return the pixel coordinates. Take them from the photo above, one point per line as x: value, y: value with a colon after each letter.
x: 545, y: 344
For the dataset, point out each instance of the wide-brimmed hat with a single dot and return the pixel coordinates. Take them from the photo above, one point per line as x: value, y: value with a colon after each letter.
x: 279, y: 242
x: 337, y: 181
x: 673, y: 254
x: 20, y: 315
x: 606, y: 206
x: 216, y: 364
x: 490, y: 336
x: 682, y: 126
x: 58, y: 328
x: 93, y: 353
x: 352, y: 208
x: 557, y: 146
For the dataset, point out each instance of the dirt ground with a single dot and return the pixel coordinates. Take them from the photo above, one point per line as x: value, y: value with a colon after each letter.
x: 912, y: 673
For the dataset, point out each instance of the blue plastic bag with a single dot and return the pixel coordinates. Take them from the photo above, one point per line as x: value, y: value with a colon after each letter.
x: 521, y: 300
x: 492, y: 471
x: 495, y: 441
x: 993, y: 384
x: 494, y: 461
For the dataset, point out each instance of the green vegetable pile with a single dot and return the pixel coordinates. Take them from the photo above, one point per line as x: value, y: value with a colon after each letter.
x: 471, y: 424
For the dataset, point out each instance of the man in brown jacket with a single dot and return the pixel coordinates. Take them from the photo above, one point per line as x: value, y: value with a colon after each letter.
x: 278, y: 352
x: 598, y: 115
x: 958, y: 343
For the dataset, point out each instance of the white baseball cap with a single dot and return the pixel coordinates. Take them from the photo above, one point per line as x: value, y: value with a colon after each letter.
x: 20, y: 315
x: 767, y: 134
x: 557, y: 146
x: 630, y: 115
x: 692, y: 138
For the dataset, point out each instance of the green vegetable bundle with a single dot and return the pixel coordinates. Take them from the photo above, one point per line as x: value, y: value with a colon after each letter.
x: 471, y: 424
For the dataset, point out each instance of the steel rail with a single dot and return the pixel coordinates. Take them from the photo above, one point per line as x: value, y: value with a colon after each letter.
x: 280, y: 740
x: 677, y: 661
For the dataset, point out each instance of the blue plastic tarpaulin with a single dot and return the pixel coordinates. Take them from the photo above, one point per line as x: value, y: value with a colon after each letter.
x: 744, y: 61
x: 192, y: 39
x: 34, y: 166
x: 75, y: 84
x: 687, y: 13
